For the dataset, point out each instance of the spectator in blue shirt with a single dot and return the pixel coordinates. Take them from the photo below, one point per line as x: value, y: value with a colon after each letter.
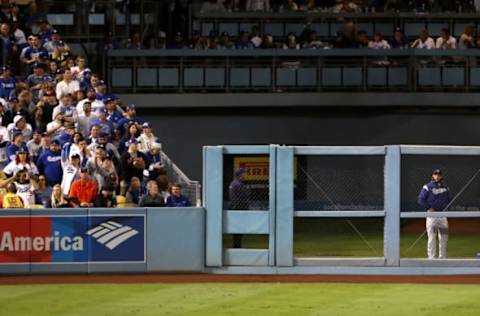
x: 243, y: 41
x: 50, y: 164
x: 45, y: 33
x: 130, y: 116
x: 36, y: 53
x: 112, y: 114
x: 176, y: 199
x: 106, y: 126
x: 101, y: 91
x: 7, y: 83
x: 16, y: 145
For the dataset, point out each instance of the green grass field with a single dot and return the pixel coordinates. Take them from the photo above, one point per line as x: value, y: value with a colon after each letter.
x: 239, y: 299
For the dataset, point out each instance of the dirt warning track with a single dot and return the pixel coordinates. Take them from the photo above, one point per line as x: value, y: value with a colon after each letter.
x: 216, y: 278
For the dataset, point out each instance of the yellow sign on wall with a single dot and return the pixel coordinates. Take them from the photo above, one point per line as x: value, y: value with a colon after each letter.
x: 256, y: 168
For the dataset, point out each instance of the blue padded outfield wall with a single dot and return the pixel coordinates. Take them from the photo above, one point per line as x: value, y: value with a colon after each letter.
x: 101, y: 240
x: 194, y: 239
x: 275, y: 219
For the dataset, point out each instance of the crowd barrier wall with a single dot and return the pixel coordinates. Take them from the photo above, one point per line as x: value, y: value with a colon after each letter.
x: 136, y: 240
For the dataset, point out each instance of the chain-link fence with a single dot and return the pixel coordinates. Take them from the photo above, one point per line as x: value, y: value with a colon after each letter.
x: 460, y: 175
x: 339, y: 183
x: 246, y: 182
x: 190, y: 188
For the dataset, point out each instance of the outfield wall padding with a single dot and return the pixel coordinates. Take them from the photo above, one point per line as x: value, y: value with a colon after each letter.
x: 102, y: 240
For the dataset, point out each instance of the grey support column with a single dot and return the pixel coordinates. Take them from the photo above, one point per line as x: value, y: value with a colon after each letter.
x: 284, y: 218
x: 213, y: 177
x: 392, y: 206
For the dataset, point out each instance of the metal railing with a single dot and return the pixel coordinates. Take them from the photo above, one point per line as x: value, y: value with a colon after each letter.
x: 328, y: 24
x: 90, y: 20
x: 153, y: 71
x: 191, y: 188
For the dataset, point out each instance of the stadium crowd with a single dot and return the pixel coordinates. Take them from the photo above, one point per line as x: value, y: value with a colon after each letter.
x: 348, y: 37
x: 65, y: 140
x: 341, y: 6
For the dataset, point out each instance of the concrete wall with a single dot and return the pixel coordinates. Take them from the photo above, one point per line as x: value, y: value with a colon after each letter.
x: 183, y: 132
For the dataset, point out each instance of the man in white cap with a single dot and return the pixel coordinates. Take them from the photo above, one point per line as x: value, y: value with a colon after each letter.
x: 146, y: 139
x: 20, y: 124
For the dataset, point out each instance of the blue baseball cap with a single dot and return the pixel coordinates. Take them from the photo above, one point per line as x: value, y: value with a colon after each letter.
x: 239, y: 171
x: 131, y: 106
x: 132, y: 141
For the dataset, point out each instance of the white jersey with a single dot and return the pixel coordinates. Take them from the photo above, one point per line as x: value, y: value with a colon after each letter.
x: 97, y: 105
x: 146, y: 142
x: 13, y: 168
x: 70, y: 174
x: 26, y: 193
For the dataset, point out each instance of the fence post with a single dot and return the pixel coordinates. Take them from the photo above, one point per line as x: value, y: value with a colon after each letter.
x: 284, y: 218
x: 272, y: 202
x: 213, y: 185
x: 392, y: 206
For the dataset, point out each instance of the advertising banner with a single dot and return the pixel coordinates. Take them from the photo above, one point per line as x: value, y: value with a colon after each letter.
x: 72, y: 239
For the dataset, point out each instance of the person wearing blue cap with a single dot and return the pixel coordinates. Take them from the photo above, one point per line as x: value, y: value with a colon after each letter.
x: 7, y: 83
x: 239, y: 198
x: 130, y: 116
x: 111, y: 110
x: 434, y: 197
x: 54, y: 42
x: 16, y: 144
x: 105, y: 125
x: 133, y: 163
x: 101, y: 91
x: 50, y: 163
x: 103, y: 139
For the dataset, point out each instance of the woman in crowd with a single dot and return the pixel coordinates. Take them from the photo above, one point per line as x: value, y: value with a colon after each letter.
x: 22, y: 161
x: 58, y: 199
